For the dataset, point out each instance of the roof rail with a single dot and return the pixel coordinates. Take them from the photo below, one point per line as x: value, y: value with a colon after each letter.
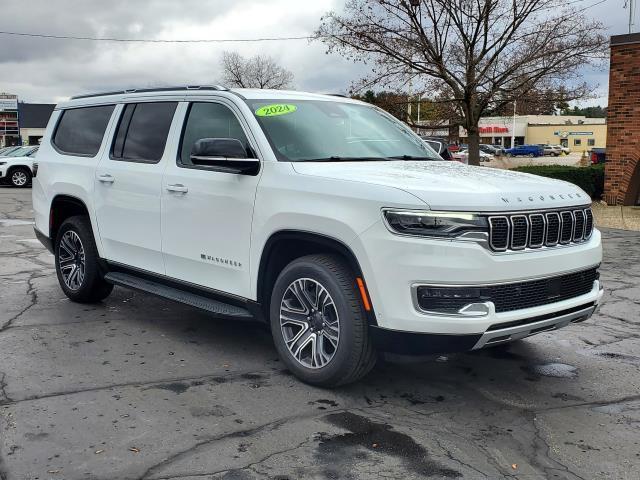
x: 156, y: 89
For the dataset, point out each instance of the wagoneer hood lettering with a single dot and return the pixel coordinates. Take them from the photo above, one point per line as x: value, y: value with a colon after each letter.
x: 453, y: 186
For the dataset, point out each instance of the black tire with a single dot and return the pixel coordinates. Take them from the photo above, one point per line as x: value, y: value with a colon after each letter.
x: 92, y: 287
x: 354, y: 355
x: 20, y: 177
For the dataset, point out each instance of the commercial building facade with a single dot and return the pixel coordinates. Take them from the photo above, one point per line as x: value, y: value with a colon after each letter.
x: 9, y: 129
x: 579, y: 133
x: 22, y: 123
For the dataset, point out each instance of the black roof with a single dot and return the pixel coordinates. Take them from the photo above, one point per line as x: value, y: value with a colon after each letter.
x: 34, y: 115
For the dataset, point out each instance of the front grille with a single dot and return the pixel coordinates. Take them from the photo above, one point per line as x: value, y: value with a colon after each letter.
x: 508, y: 297
x: 539, y: 229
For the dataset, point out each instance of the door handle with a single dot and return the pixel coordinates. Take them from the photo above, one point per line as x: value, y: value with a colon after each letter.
x: 177, y: 187
x: 106, y: 178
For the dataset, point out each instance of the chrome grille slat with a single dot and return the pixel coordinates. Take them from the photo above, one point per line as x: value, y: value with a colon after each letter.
x: 500, y: 228
x: 553, y: 229
x: 566, y: 227
x: 578, y: 231
x: 519, y: 232
x: 588, y: 223
x: 537, y: 229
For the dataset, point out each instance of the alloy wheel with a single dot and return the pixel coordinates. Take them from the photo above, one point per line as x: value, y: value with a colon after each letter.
x: 310, y: 323
x: 19, y: 178
x: 71, y: 259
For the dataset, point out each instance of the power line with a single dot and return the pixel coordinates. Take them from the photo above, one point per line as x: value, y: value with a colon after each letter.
x: 150, y: 40
x: 207, y: 40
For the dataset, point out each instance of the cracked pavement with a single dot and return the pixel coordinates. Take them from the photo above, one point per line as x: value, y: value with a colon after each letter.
x: 140, y: 388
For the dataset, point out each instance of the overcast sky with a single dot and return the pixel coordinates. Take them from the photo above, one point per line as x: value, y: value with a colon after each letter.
x: 47, y: 70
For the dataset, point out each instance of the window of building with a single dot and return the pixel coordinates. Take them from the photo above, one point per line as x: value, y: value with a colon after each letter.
x: 80, y: 130
x: 591, y: 142
x: 142, y: 132
x: 209, y: 120
x: 577, y: 142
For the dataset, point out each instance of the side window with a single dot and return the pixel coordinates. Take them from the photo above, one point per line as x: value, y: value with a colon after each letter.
x: 209, y: 120
x: 577, y: 141
x: 80, y: 130
x: 142, y: 132
x: 591, y: 142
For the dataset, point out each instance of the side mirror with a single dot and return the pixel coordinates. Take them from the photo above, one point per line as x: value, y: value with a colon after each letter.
x: 223, y: 155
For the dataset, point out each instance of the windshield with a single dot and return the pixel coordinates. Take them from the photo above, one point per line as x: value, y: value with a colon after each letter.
x: 7, y: 150
x: 313, y: 130
x: 20, y: 152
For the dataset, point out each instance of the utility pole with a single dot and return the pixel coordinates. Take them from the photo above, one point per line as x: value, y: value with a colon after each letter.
x: 630, y: 4
x: 513, y: 126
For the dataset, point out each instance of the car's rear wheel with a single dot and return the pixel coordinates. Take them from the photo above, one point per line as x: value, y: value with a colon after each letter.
x: 20, y: 177
x: 318, y: 322
x: 77, y: 262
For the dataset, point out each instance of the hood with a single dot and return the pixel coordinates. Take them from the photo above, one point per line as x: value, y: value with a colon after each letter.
x: 453, y: 186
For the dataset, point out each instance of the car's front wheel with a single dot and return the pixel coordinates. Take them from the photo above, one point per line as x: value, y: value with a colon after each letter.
x: 318, y: 322
x: 76, y: 259
x: 20, y: 177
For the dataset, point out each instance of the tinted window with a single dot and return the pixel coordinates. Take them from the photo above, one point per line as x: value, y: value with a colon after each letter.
x: 142, y: 131
x: 209, y: 120
x: 80, y: 130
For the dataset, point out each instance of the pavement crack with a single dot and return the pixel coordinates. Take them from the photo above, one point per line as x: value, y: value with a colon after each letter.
x: 219, y: 378
x: 4, y: 398
x: 542, y: 454
x: 32, y: 292
x: 249, y: 466
x: 216, y: 438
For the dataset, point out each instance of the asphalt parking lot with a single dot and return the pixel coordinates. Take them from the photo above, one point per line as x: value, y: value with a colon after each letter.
x: 140, y: 388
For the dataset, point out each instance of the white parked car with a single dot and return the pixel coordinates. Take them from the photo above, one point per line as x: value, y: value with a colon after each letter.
x: 463, y: 156
x: 17, y: 168
x: 562, y: 149
x: 324, y: 217
x: 551, y: 150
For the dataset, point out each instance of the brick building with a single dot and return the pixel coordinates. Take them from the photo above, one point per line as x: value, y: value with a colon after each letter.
x: 622, y: 169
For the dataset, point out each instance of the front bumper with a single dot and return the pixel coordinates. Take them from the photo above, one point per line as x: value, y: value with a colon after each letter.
x: 392, y: 265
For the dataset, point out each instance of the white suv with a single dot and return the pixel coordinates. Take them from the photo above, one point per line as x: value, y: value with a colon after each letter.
x: 322, y: 216
x: 18, y: 166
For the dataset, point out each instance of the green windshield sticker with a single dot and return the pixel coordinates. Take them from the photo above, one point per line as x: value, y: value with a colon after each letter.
x: 275, y: 109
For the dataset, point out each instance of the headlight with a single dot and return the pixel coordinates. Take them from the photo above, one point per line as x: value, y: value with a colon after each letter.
x: 434, y: 224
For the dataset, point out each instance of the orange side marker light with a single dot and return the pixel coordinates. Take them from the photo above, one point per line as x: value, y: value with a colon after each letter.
x: 363, y: 294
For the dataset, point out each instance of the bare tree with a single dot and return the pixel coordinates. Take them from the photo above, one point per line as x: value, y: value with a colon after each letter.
x: 477, y: 54
x: 260, y: 71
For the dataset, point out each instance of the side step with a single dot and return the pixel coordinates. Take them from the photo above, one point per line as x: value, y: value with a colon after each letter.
x: 177, y: 295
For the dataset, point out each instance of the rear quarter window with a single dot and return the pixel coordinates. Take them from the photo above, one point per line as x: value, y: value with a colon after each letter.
x: 80, y: 130
x: 143, y: 131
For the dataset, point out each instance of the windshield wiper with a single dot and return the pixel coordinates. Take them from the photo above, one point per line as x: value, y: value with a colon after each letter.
x: 411, y: 157
x: 344, y: 159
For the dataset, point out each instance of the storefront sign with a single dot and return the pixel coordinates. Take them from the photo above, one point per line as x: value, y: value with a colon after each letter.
x: 8, y: 104
x: 493, y: 129
x: 567, y: 134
